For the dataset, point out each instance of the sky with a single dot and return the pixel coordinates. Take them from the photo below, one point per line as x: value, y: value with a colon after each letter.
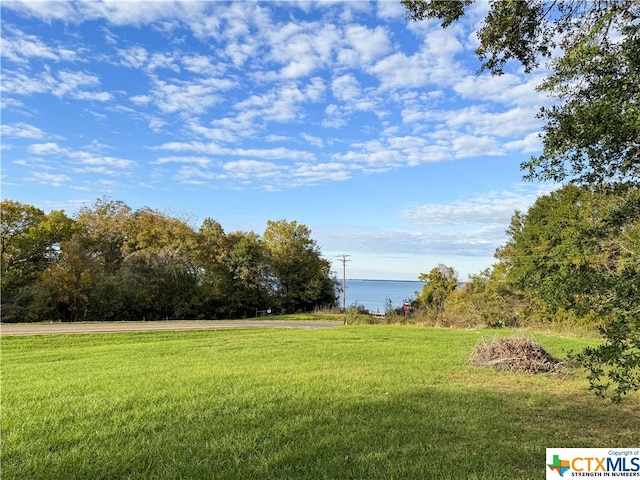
x: 376, y: 133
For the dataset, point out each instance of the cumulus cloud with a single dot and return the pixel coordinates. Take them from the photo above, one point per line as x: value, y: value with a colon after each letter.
x: 20, y: 47
x: 21, y: 130
x: 73, y: 84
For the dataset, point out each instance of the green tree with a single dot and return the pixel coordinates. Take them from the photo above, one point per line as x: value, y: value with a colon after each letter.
x: 23, y: 254
x: 215, y: 279
x: 441, y: 282
x: 30, y: 242
x: 302, y: 278
x: 486, y: 299
x: 552, y: 253
x: 162, y: 250
x: 71, y: 280
x: 614, y: 366
x: 576, y: 251
x: 591, y: 136
x: 250, y: 274
x: 104, y: 231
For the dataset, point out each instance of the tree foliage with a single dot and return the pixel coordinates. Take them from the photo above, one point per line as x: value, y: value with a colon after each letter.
x: 30, y: 243
x: 552, y: 253
x: 593, y: 134
x: 110, y: 262
x: 302, y: 276
x: 576, y: 249
x: 440, y: 283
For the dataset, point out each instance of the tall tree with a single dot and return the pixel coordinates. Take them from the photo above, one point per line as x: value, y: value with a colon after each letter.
x: 213, y: 252
x: 30, y: 242
x: 162, y: 250
x: 591, y: 136
x: 23, y: 254
x: 552, y: 253
x: 440, y: 283
x: 302, y: 277
x: 250, y: 274
x: 104, y: 230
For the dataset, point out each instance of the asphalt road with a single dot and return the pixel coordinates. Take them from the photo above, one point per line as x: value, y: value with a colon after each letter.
x: 99, y: 327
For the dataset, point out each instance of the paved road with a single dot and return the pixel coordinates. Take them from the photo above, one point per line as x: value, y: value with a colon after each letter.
x: 44, y: 329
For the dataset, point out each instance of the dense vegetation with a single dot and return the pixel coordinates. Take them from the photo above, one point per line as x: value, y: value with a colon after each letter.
x: 577, y: 251
x: 565, y: 261
x: 112, y: 263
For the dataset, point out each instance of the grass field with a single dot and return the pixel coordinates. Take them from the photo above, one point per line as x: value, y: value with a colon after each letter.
x: 365, y: 402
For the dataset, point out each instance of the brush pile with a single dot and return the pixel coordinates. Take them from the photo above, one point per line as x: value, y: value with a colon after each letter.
x: 516, y: 354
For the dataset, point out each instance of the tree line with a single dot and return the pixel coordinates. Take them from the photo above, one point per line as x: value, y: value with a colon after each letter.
x: 109, y: 262
x: 573, y: 257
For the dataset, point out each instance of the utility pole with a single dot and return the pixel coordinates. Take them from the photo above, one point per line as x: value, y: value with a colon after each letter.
x: 343, y: 259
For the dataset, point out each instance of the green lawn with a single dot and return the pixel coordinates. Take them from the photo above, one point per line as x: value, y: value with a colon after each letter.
x: 364, y: 402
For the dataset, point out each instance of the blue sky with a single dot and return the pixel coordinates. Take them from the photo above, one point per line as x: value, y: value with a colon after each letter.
x: 375, y: 133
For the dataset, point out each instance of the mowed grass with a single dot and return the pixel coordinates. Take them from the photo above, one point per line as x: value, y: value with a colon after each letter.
x: 363, y: 402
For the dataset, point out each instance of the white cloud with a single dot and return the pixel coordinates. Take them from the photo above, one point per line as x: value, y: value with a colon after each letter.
x: 203, y: 65
x: 363, y: 45
x: 390, y: 10
x: 505, y: 89
x: 472, y: 146
x: 194, y: 176
x: 249, y: 169
x: 217, y: 150
x: 282, y: 104
x: 20, y: 47
x: 513, y: 122
x: 491, y: 209
x: 346, y: 88
x: 307, y: 174
x: 312, y: 140
x: 87, y: 161
x: 77, y: 85
x: 202, y: 162
x: 335, y: 117
x: 530, y: 143
x: 185, y: 97
x: 49, y: 148
x: 400, y: 71
x: 134, y: 57
x: 21, y: 130
x: 55, y: 180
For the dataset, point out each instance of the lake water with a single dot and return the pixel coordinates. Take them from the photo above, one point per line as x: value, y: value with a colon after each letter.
x: 373, y: 294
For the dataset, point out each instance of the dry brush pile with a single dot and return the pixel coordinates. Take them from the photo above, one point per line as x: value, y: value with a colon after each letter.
x: 516, y: 354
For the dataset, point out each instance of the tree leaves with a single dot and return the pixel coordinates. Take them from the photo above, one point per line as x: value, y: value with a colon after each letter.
x: 113, y: 263
x: 576, y: 249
